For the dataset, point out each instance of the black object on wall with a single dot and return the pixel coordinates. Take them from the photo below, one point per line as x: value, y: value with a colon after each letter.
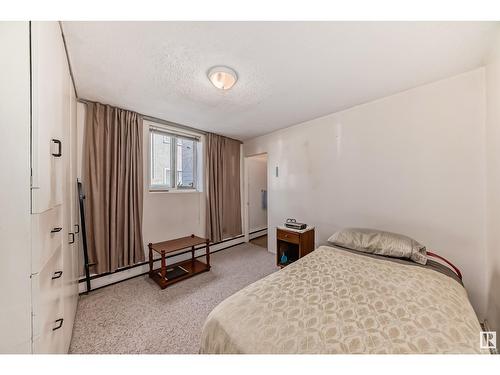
x: 81, y: 197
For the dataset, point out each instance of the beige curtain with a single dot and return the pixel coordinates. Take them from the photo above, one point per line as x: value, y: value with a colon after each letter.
x: 113, y: 183
x: 223, y: 187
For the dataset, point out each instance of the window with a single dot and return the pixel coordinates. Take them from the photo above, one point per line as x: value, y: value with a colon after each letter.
x: 173, y: 161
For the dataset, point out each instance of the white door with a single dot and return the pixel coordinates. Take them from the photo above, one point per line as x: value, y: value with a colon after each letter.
x: 50, y: 113
x: 53, y: 280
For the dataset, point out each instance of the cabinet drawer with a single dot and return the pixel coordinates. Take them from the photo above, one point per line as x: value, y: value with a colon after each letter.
x: 51, y: 341
x: 47, y: 287
x: 47, y: 236
x: 288, y: 236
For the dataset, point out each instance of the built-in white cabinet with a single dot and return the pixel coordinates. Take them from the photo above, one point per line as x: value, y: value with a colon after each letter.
x: 48, y: 310
x: 40, y: 246
x: 50, y: 104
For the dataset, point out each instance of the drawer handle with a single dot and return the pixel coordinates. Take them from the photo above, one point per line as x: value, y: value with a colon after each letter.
x: 57, y: 275
x: 77, y: 228
x: 60, y: 324
x: 72, y: 235
x: 58, y: 154
x: 55, y: 230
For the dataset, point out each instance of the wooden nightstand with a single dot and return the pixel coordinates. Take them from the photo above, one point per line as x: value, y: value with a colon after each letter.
x: 293, y: 243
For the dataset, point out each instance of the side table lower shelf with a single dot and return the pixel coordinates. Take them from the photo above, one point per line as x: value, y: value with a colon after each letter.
x: 193, y: 267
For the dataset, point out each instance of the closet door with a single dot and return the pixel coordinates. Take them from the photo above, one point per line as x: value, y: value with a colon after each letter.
x: 50, y: 108
x: 50, y: 115
x: 51, y: 204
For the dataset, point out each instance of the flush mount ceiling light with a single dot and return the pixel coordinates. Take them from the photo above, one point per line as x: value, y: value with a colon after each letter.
x: 222, y: 77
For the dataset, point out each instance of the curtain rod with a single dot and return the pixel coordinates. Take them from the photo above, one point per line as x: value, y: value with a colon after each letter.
x: 158, y: 120
x: 164, y: 122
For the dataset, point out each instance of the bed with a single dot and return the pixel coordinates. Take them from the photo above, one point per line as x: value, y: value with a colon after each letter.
x: 342, y: 301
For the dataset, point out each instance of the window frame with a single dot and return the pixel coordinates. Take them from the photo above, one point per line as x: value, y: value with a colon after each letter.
x: 195, y: 164
x: 174, y: 136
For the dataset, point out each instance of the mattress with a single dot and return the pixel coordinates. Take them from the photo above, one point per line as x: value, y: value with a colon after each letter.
x: 338, y: 301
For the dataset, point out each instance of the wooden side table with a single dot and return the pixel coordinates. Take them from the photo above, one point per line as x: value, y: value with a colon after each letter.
x: 187, y: 268
x: 293, y: 243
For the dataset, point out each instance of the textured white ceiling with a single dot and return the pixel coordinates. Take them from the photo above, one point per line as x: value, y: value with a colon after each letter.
x: 289, y: 72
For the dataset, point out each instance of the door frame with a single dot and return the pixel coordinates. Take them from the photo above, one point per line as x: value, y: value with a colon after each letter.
x: 246, y: 214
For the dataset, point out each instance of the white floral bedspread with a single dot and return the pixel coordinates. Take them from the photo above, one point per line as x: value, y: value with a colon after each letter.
x: 333, y: 301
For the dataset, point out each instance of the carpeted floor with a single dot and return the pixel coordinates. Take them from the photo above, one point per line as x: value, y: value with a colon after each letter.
x: 260, y: 241
x: 135, y: 316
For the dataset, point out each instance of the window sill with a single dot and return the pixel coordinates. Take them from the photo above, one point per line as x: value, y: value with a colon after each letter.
x: 174, y: 191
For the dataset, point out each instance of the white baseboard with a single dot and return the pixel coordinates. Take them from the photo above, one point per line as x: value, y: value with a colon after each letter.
x: 144, y: 268
x: 257, y: 233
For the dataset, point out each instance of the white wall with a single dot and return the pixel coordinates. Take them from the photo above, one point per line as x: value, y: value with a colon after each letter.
x: 411, y: 163
x: 493, y: 185
x: 257, y: 181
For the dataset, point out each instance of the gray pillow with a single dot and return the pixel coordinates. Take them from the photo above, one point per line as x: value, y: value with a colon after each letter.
x: 381, y: 243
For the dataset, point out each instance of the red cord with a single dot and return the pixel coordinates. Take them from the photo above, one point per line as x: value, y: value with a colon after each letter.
x: 457, y: 271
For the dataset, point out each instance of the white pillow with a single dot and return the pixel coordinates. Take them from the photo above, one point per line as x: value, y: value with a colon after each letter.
x: 381, y: 243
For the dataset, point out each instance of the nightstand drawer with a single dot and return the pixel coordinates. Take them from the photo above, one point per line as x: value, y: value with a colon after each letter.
x: 288, y: 236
